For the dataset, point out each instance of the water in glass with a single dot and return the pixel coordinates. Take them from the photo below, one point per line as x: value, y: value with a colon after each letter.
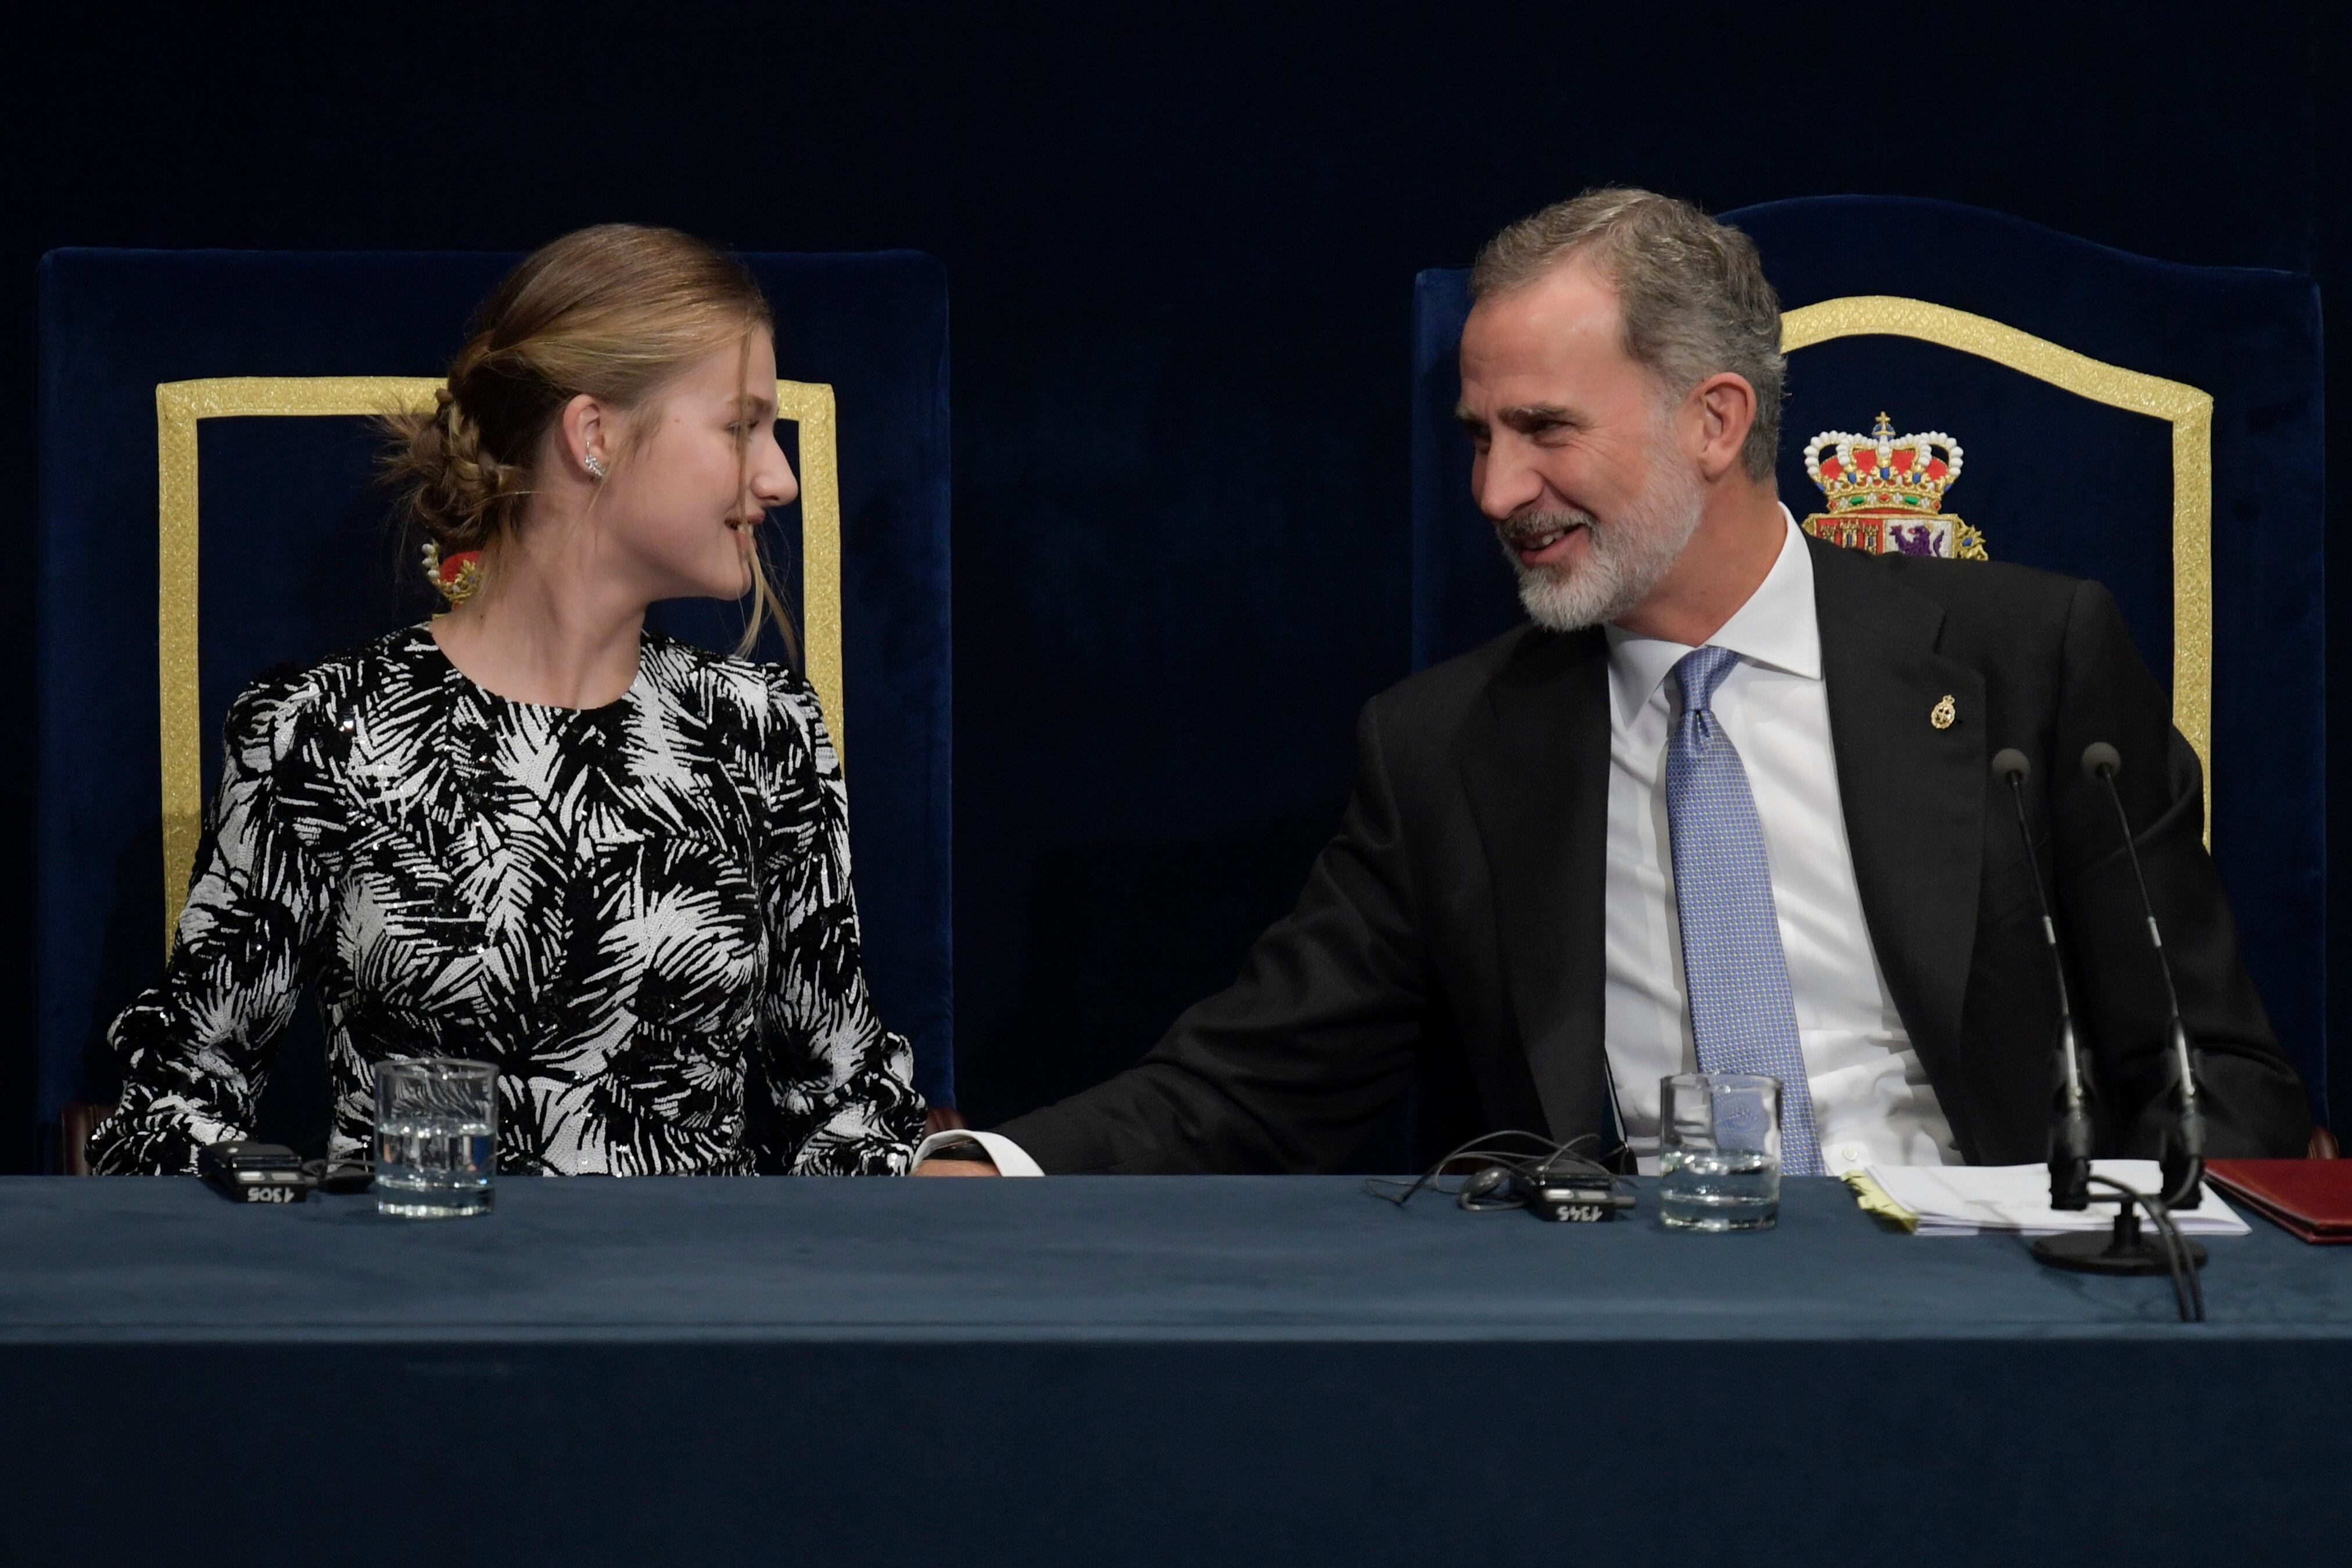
x: 1718, y: 1189
x: 435, y: 1137
x: 1719, y: 1151
x: 429, y: 1166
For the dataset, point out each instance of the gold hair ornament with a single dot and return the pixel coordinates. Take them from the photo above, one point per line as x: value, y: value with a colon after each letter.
x: 458, y: 578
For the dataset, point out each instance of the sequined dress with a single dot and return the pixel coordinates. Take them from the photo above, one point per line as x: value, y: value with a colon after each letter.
x: 641, y: 912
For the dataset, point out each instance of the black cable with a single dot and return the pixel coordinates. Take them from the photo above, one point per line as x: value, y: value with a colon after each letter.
x: 1476, y: 1148
x: 1525, y: 1168
x: 2184, y: 1268
x: 2188, y: 1290
x: 340, y: 1175
x: 1480, y: 1149
x: 2167, y: 1237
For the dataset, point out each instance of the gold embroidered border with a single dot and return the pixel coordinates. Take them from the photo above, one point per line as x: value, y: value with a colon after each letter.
x: 2189, y: 410
x: 809, y: 405
x: 179, y: 405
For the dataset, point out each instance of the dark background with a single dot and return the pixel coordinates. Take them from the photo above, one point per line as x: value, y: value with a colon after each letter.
x: 1180, y: 254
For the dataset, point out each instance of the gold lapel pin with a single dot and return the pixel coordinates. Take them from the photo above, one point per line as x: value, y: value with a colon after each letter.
x: 1942, y: 715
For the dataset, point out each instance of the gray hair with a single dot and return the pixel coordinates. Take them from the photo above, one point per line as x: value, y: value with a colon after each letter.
x: 1692, y: 291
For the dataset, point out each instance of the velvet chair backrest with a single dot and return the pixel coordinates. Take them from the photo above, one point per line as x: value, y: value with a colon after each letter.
x: 2155, y: 427
x: 293, y: 555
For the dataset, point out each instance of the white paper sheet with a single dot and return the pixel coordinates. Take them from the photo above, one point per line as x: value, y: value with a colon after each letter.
x: 1963, y: 1201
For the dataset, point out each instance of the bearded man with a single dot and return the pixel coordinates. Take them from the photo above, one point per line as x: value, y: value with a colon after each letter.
x: 1729, y: 792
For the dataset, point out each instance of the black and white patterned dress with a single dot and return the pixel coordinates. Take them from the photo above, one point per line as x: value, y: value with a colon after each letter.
x: 642, y: 913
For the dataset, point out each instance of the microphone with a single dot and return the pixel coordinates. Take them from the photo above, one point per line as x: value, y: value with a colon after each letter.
x: 2184, y: 1152
x: 2070, y: 1121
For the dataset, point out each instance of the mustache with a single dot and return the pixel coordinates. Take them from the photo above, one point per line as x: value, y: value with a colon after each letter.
x: 1529, y: 527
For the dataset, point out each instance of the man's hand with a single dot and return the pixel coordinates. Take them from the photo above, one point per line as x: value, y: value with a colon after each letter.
x: 959, y: 1163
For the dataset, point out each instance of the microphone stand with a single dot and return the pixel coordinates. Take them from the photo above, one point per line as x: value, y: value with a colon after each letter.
x: 2070, y: 1123
x: 2184, y: 1153
x: 2128, y: 1251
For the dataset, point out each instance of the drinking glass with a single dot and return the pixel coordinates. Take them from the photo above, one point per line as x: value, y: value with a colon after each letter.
x: 1719, y: 1151
x: 435, y: 1135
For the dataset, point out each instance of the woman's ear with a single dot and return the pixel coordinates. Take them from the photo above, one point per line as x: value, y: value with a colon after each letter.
x: 590, y: 435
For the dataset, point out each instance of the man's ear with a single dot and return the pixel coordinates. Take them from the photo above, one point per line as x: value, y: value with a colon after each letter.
x: 1726, y: 409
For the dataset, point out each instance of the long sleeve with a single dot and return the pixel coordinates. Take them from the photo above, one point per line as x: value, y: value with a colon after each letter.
x: 196, y: 1048
x: 844, y: 1101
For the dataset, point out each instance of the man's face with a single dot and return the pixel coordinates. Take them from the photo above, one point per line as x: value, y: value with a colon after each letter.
x: 1580, y: 462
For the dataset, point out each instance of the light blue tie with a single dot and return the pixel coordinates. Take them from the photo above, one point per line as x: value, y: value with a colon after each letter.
x: 1737, y: 976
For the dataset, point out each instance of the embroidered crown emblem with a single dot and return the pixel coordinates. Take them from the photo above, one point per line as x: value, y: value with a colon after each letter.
x: 1885, y: 493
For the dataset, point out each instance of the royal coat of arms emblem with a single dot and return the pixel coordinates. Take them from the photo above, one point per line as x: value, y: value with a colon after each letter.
x: 1885, y: 493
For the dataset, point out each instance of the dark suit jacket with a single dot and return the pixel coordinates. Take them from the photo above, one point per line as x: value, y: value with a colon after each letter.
x: 1451, y: 931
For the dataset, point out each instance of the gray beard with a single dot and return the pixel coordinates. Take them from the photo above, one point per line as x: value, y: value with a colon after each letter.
x: 1629, y: 557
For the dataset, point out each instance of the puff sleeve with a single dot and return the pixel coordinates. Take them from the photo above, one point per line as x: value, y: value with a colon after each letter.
x: 196, y: 1048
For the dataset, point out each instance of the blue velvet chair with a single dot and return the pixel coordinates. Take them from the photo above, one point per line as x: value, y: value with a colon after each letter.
x: 2155, y: 427
x: 207, y: 510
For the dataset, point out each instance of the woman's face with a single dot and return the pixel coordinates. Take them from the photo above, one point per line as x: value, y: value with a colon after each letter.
x: 686, y: 495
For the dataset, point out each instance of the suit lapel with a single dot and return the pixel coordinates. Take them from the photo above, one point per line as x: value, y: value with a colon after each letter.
x: 1914, y: 795
x: 1535, y: 765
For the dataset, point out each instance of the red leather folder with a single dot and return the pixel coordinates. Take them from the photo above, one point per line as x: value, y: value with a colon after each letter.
x: 2312, y: 1198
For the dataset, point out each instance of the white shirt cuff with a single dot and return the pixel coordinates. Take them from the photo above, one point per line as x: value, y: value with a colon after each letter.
x: 1011, y: 1158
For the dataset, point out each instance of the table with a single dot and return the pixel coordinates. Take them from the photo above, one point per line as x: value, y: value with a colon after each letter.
x: 1135, y: 1369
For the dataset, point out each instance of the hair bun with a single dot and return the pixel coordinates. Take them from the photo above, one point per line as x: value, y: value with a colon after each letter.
x: 615, y: 312
x: 458, y: 490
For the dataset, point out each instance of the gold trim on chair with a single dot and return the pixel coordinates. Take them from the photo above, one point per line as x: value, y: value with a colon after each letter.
x: 809, y: 405
x: 179, y: 405
x: 2189, y: 410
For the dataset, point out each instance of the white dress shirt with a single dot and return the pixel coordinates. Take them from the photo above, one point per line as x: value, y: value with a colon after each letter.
x: 1872, y: 1100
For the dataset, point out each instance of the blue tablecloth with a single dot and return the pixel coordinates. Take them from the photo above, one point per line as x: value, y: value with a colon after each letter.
x: 1263, y: 1371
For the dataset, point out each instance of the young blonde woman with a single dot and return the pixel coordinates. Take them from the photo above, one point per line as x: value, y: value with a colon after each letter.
x: 530, y: 831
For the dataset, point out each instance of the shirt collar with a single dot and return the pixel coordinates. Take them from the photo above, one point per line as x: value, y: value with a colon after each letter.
x: 1776, y: 627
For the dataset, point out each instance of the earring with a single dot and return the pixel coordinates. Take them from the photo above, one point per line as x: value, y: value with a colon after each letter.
x: 595, y: 464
